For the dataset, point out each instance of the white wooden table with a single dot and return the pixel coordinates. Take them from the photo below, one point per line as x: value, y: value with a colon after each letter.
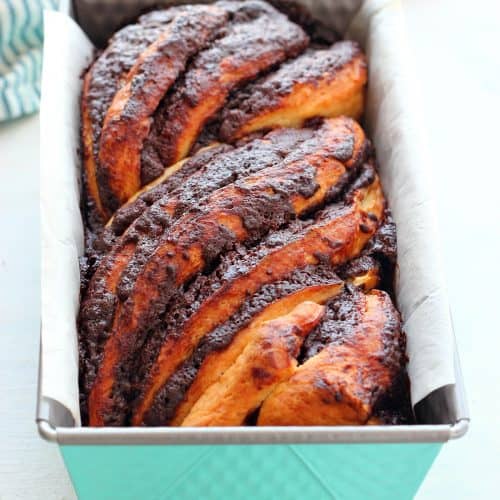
x: 455, y: 46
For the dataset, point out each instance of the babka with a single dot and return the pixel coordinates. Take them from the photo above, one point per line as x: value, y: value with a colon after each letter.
x: 239, y: 249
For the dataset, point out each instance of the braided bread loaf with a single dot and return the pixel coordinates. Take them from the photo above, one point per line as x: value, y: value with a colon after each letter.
x: 236, y: 225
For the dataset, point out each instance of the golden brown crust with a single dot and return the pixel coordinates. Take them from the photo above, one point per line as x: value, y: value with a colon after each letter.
x: 218, y: 275
x: 101, y: 82
x: 267, y: 359
x: 335, y: 240
x: 209, y: 169
x: 216, y: 363
x: 325, y: 83
x: 128, y: 119
x: 257, y: 38
x: 341, y: 384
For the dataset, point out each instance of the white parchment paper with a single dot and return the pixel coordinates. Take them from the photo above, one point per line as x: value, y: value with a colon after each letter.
x: 397, y: 130
x: 66, y: 52
x: 394, y: 124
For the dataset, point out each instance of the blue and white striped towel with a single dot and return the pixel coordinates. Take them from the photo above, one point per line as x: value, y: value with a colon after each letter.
x: 21, y: 37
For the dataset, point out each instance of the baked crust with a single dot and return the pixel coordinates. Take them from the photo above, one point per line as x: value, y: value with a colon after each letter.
x: 268, y: 358
x: 243, y: 273
x: 192, y: 179
x: 341, y: 384
x: 325, y: 83
x: 129, y: 117
x: 100, y: 84
x: 257, y: 38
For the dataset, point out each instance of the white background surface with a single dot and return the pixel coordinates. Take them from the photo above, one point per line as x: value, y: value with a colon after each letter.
x: 455, y: 45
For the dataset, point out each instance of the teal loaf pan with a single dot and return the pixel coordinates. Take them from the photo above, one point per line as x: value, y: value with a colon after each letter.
x: 349, y: 471
x: 375, y: 462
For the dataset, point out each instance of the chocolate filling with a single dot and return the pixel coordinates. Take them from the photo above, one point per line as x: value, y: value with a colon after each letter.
x: 262, y: 208
x: 126, y: 215
x: 230, y: 168
x: 207, y: 171
x: 380, y: 254
x: 267, y: 92
x: 262, y: 38
x: 232, y: 265
x: 339, y: 324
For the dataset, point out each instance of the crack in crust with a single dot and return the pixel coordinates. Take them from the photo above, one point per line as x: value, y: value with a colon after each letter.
x: 257, y: 38
x: 325, y: 83
x: 128, y: 119
x: 343, y: 382
x: 267, y: 359
x: 218, y: 348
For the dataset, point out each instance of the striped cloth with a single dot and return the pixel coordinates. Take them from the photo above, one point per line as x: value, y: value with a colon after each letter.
x: 21, y: 37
